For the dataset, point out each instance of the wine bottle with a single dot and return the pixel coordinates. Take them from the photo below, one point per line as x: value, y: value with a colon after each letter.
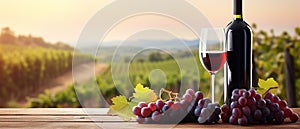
x: 238, y: 69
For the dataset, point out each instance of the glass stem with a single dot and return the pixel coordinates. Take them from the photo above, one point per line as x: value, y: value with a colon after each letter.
x: 212, y: 78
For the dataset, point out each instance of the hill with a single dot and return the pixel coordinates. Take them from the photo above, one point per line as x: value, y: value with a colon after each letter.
x: 8, y: 37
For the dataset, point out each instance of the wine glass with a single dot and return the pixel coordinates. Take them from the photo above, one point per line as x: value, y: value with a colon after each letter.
x: 212, y: 52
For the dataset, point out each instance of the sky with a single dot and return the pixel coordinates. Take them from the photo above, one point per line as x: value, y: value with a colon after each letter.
x: 63, y: 20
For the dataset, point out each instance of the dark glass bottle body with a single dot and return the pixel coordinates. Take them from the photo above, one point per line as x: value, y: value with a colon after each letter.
x: 238, y: 69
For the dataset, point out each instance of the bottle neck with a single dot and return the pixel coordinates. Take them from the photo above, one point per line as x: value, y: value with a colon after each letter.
x: 237, y: 10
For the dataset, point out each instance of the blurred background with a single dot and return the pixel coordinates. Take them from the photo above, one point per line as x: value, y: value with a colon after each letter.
x: 38, y: 38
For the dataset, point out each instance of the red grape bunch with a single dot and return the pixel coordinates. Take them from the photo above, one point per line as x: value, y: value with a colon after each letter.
x: 192, y: 107
x: 248, y: 107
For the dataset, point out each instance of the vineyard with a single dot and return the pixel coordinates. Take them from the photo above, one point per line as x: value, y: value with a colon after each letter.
x: 23, y: 69
x: 269, y: 59
x: 153, y: 74
x: 270, y: 54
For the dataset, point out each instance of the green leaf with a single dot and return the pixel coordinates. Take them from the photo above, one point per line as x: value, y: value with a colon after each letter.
x: 123, y: 108
x: 143, y: 94
x: 269, y: 85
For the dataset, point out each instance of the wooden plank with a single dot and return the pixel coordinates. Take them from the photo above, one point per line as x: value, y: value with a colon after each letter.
x: 61, y: 118
x: 54, y: 111
x: 64, y: 111
x: 132, y: 125
x: 48, y: 125
x: 71, y: 118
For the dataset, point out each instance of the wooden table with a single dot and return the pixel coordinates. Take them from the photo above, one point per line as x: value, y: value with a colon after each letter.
x: 73, y: 118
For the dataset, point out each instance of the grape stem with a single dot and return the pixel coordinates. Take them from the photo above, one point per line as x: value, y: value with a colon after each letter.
x: 270, y: 89
x: 172, y: 95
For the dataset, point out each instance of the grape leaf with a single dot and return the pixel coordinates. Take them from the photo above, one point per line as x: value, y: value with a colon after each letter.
x: 269, y: 85
x: 143, y: 94
x: 123, y: 108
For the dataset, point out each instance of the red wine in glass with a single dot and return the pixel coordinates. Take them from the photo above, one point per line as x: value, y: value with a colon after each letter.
x: 213, y: 61
x: 212, y: 53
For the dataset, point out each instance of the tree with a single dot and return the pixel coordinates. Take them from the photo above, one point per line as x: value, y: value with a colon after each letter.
x: 155, y: 57
x: 7, y: 36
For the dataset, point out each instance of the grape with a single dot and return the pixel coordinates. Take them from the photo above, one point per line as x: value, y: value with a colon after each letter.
x: 184, y: 104
x: 252, y: 108
x: 233, y: 120
x: 261, y: 103
x: 212, y: 106
x: 270, y: 117
x: 197, y: 111
x: 266, y: 111
x: 235, y: 97
x: 279, y: 114
x: 207, y: 101
x: 287, y: 112
x: 142, y: 104
x: 242, y: 91
x: 211, y: 119
x: 187, y: 98
x: 140, y: 119
x: 268, y: 96
x: 225, y: 116
x: 160, y: 104
x: 257, y: 97
x: 217, y: 111
x: 225, y: 108
x: 242, y: 101
x: 246, y: 111
x: 294, y: 117
x: 205, y: 113
x: 216, y: 118
x: 251, y: 101
x: 257, y: 115
x: 276, y: 99
x: 237, y: 112
x: 176, y: 106
x: 234, y: 105
x: 201, y: 120
x: 279, y: 117
x: 247, y: 94
x: 170, y: 103
x: 252, y: 93
x: 268, y: 102
x: 156, y: 116
x: 201, y: 103
x: 152, y: 106
x: 146, y: 111
x: 243, y: 120
x: 198, y: 95
x: 279, y: 120
x: 235, y: 91
x: 190, y: 92
x: 165, y: 108
x: 282, y: 104
x: 274, y: 107
x: 247, y: 107
x: 136, y: 110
